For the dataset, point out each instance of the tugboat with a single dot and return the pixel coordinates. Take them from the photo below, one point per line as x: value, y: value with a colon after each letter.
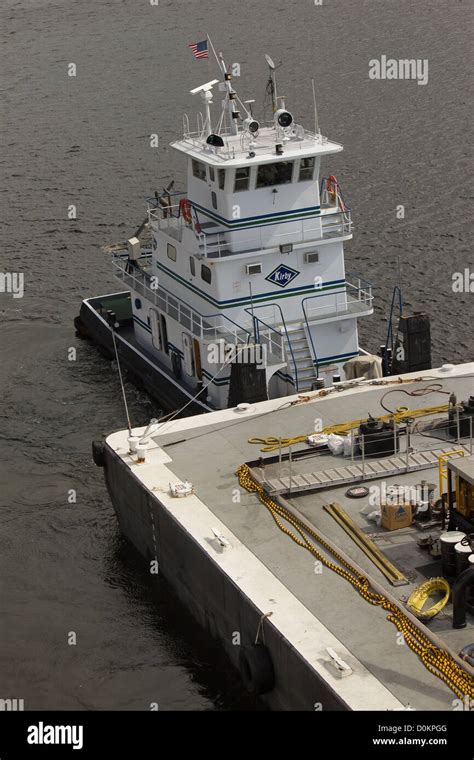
x: 235, y: 290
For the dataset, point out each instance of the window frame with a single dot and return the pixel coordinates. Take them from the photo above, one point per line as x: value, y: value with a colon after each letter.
x: 260, y: 186
x: 168, y: 247
x: 221, y: 178
x: 192, y: 266
x: 198, y: 168
x: 239, y: 179
x: 304, y: 168
x: 205, y: 268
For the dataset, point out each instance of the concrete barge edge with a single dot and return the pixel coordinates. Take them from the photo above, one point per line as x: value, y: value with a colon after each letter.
x: 228, y: 590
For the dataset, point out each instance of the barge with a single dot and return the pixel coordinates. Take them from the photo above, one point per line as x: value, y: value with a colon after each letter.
x: 321, y: 600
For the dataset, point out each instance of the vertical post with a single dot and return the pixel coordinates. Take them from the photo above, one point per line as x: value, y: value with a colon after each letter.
x: 363, y: 455
x: 254, y: 320
x: 290, y: 461
x: 279, y: 457
x: 470, y: 434
x: 394, y: 435
x: 352, y: 445
x: 408, y: 445
x: 458, y: 427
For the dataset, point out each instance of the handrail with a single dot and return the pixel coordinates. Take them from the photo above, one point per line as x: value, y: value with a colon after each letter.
x: 390, y: 335
x: 275, y: 305
x: 367, y: 297
x: 121, y: 265
x: 360, y: 279
x: 338, y: 220
x: 315, y: 360
x: 366, y: 294
x: 325, y: 179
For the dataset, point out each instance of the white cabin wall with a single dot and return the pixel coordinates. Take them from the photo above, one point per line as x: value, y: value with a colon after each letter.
x: 238, y: 208
x: 232, y: 281
x: 335, y: 339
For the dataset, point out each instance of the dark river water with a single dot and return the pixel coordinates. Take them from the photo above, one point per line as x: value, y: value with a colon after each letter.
x: 84, y: 140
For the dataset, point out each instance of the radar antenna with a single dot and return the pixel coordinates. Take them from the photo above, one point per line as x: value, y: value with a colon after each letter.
x: 271, y: 88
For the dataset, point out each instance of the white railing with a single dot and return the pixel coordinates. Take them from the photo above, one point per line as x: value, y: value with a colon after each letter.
x: 206, y: 327
x: 214, y: 244
x: 273, y: 341
x: 349, y: 298
x: 265, y: 141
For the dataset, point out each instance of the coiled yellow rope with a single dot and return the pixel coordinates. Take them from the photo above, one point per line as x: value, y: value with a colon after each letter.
x: 439, y: 662
x: 418, y: 598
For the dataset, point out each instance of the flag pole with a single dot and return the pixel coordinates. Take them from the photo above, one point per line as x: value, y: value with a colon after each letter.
x: 215, y: 54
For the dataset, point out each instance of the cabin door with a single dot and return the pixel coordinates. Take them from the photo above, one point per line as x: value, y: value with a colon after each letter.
x: 155, y: 328
x: 188, y: 354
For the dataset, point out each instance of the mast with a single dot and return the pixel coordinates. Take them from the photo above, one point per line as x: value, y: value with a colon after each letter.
x: 231, y: 95
x: 272, y: 82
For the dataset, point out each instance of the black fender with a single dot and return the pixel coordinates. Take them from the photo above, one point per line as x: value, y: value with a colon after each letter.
x: 98, y: 453
x: 256, y: 668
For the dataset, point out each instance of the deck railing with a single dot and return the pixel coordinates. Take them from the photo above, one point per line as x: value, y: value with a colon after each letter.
x: 347, y: 298
x: 207, y: 327
x: 272, y: 334
x: 360, y: 300
x: 224, y: 241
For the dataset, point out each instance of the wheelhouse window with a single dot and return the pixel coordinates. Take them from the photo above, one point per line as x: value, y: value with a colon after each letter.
x: 192, y: 265
x: 242, y: 178
x: 221, y: 178
x: 206, y: 273
x: 211, y: 174
x: 199, y: 170
x: 306, y: 169
x: 171, y: 252
x: 274, y: 174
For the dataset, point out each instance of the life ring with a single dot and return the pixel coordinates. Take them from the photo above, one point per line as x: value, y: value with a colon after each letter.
x: 256, y: 668
x: 98, y: 453
x: 185, y: 210
x: 331, y: 187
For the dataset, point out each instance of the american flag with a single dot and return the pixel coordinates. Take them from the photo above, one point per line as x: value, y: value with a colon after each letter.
x: 200, y: 49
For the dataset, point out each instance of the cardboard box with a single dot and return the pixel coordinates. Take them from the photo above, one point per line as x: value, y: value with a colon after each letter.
x: 395, y: 516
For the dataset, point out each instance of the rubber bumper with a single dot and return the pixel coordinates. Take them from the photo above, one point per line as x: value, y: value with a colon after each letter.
x: 98, y: 453
x: 256, y: 668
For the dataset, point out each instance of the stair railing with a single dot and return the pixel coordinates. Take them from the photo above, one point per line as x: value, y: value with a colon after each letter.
x: 256, y: 320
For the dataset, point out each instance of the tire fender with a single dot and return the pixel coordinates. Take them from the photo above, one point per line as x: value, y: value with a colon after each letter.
x: 98, y: 453
x: 256, y: 668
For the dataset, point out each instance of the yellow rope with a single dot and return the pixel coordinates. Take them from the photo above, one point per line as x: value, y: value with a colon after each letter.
x: 272, y: 443
x: 439, y: 662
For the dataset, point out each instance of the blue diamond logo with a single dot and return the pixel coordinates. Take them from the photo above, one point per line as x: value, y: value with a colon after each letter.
x: 282, y: 275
